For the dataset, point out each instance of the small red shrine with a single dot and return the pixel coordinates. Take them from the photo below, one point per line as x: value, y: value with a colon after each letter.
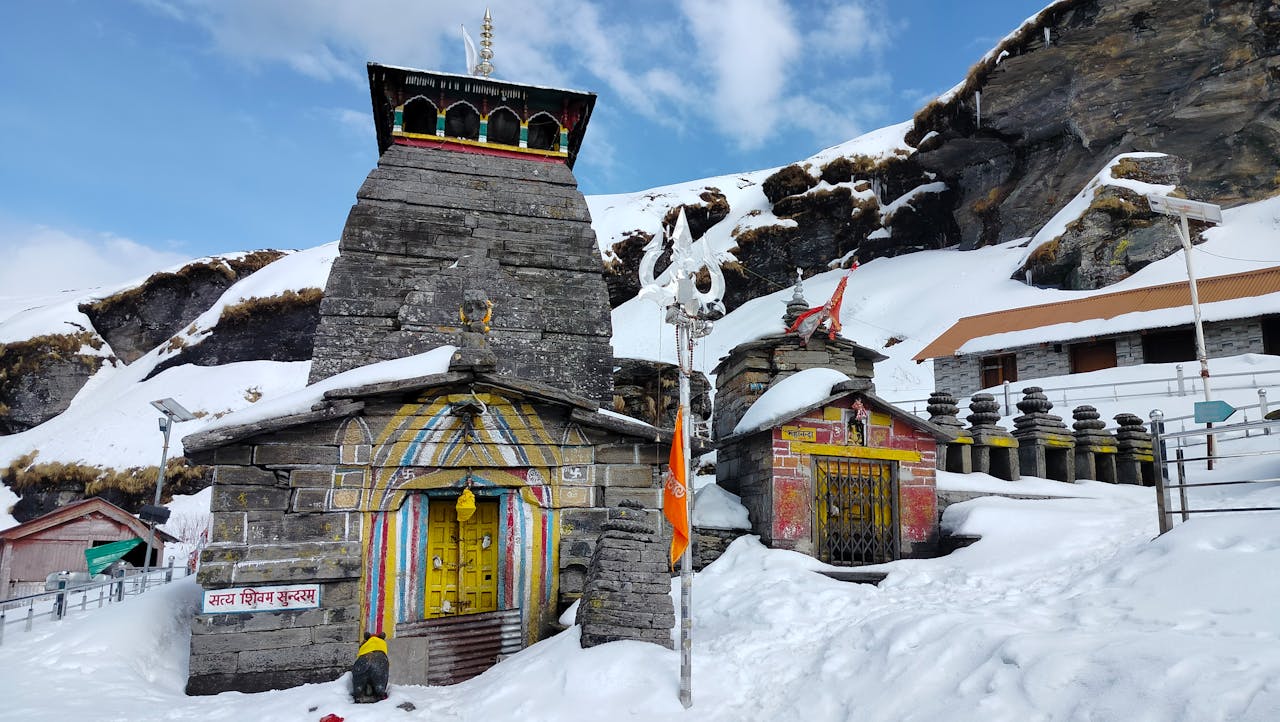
x: 848, y: 478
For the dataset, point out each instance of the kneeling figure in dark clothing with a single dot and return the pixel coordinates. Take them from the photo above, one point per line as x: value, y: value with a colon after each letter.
x: 370, y: 673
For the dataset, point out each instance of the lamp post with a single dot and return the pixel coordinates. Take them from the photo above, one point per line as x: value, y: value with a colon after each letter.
x: 172, y: 413
x: 1208, y: 213
x: 688, y: 309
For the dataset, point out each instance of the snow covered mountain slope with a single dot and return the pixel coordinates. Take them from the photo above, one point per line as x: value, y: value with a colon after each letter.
x: 895, y: 305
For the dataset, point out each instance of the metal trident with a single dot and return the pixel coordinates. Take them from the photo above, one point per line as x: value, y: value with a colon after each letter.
x: 677, y: 285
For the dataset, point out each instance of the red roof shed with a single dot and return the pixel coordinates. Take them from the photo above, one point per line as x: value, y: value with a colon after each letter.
x: 57, y: 541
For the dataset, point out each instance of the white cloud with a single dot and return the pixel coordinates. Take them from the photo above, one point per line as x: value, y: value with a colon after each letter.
x: 748, y: 47
x: 358, y: 123
x: 40, y: 260
x: 741, y: 68
x: 849, y: 29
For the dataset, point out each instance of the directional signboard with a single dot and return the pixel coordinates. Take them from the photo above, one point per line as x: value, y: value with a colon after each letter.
x: 1212, y: 412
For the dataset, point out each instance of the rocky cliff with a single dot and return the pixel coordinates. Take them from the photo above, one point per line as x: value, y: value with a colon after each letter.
x: 1032, y: 122
x: 137, y: 320
x: 40, y: 376
x: 1090, y: 79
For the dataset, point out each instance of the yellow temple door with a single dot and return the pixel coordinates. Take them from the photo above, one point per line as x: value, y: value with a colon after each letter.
x: 462, y: 565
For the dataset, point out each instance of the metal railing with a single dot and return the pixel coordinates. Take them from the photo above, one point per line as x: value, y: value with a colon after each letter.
x: 1172, y: 500
x: 56, y: 604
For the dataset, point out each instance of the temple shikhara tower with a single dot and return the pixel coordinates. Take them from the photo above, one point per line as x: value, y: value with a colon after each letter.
x: 473, y: 194
x: 454, y: 509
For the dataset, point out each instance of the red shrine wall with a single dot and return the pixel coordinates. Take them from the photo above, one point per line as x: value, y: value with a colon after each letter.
x: 832, y: 433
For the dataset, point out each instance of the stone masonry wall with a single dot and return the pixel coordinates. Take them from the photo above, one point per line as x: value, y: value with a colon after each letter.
x: 1230, y: 338
x: 430, y: 225
x: 276, y: 520
x: 744, y: 467
x: 623, y: 473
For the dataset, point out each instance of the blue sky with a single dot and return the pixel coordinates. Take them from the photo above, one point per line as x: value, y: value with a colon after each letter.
x: 136, y: 134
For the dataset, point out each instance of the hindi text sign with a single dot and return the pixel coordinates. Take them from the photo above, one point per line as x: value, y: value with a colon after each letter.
x: 263, y: 599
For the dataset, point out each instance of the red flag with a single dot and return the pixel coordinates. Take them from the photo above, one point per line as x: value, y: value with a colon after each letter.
x: 674, y: 505
x: 809, y: 321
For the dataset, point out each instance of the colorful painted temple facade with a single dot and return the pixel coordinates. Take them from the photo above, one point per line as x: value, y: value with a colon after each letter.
x: 462, y: 499
x: 477, y: 115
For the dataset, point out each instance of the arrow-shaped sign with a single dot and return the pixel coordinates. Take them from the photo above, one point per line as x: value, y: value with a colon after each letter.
x: 1212, y: 412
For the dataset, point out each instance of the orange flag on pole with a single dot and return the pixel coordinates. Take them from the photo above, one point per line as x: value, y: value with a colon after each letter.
x: 674, y: 504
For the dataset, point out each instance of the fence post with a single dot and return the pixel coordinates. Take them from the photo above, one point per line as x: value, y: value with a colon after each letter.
x: 1007, y: 405
x: 1157, y: 454
x: 1182, y: 486
x: 2, y: 621
x: 1182, y: 387
x: 119, y: 590
x: 31, y: 616
x: 60, y: 601
x: 168, y: 572
x: 1262, y: 409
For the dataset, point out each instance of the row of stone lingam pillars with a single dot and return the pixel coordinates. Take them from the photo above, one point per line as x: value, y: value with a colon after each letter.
x: 1041, y: 445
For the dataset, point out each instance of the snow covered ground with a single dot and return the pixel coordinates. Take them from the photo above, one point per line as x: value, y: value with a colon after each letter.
x: 1065, y: 610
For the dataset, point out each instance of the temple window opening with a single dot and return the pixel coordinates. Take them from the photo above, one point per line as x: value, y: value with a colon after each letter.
x: 544, y: 132
x: 462, y: 120
x: 420, y: 116
x: 504, y: 127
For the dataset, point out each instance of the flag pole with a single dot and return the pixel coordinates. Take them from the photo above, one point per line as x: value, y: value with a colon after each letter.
x: 684, y: 342
x: 690, y: 310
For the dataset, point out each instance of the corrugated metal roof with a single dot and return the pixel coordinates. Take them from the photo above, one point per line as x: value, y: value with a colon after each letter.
x: 1102, y: 306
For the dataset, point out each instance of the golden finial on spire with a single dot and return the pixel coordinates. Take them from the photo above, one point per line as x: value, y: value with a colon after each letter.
x: 486, y: 45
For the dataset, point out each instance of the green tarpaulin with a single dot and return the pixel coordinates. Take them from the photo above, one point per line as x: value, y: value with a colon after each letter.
x: 101, y: 557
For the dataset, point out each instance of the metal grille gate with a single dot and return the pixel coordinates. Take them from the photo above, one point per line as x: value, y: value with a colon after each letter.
x: 857, y: 510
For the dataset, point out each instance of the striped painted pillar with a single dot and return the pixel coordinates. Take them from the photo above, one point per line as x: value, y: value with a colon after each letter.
x: 484, y: 129
x: 440, y: 124
x: 524, y: 134
x: 564, y: 140
x: 398, y: 127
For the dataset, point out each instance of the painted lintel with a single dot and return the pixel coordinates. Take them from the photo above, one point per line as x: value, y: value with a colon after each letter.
x: 856, y: 452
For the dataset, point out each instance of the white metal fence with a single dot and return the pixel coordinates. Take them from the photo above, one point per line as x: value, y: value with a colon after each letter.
x: 57, y: 604
x: 1174, y: 503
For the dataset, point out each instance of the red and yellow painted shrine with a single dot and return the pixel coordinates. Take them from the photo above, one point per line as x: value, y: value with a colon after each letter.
x: 479, y: 115
x: 852, y: 482
x: 850, y: 479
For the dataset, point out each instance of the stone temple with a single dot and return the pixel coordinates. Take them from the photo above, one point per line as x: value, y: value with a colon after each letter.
x: 497, y: 215
x: 456, y: 512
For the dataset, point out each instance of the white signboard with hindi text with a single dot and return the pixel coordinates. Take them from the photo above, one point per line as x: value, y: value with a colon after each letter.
x: 261, y: 599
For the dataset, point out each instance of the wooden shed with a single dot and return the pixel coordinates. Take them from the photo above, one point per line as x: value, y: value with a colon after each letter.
x: 57, y: 541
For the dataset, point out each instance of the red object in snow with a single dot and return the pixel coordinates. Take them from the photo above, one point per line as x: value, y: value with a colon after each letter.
x: 331, y: 718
